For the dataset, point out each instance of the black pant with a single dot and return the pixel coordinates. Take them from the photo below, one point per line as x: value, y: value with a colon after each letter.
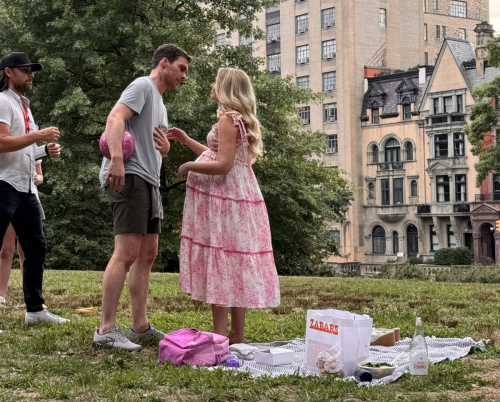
x: 21, y: 209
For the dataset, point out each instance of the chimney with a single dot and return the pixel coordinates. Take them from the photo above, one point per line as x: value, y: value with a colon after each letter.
x: 422, y: 75
x: 484, y: 32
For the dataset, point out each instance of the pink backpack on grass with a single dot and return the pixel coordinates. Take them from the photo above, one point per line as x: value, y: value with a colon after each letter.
x: 192, y: 347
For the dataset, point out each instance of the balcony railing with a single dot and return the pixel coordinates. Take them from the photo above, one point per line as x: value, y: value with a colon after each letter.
x: 488, y: 197
x: 461, y: 208
x: 438, y: 120
x: 423, y: 209
x: 391, y: 166
x: 379, y: 157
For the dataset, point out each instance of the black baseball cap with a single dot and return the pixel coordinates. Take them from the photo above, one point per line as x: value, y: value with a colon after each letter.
x: 18, y: 59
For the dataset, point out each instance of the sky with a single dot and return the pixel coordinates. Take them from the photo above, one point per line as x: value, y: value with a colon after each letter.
x: 495, y: 15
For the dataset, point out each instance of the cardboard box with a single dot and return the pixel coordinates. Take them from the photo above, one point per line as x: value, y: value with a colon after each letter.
x: 274, y: 356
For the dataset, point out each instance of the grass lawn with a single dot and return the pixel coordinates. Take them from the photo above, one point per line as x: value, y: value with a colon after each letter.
x: 56, y: 363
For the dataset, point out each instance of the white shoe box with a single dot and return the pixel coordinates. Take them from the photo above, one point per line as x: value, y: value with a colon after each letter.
x: 274, y: 356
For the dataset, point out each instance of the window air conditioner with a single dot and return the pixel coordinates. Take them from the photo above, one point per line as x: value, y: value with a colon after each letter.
x: 329, y: 56
x: 331, y: 119
x: 329, y: 87
x: 274, y: 68
x: 271, y: 39
x: 328, y: 24
x: 301, y: 61
x: 301, y: 30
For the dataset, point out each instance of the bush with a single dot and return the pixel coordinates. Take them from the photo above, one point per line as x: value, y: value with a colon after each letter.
x: 410, y: 271
x: 454, y: 256
x: 415, y: 260
x: 474, y: 274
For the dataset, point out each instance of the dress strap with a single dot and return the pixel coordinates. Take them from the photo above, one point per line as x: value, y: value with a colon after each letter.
x: 238, y: 122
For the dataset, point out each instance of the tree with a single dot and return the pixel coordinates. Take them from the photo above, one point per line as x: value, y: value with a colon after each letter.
x: 484, y: 116
x: 91, y: 50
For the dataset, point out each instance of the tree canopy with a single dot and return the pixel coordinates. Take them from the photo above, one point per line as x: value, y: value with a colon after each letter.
x: 92, y: 49
x: 484, y: 116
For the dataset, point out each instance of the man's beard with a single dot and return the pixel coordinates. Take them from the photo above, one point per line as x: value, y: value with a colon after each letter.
x: 22, y: 88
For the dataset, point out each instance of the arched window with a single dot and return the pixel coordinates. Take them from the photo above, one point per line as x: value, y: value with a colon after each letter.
x: 409, y: 151
x: 378, y: 240
x: 371, y: 190
x: 374, y: 154
x: 392, y: 150
x: 413, y: 188
x: 395, y: 243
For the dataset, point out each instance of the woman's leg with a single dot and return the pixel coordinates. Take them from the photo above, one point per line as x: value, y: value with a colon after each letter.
x: 237, y: 324
x: 219, y: 317
x: 6, y: 255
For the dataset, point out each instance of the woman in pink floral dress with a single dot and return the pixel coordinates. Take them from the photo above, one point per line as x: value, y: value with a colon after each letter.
x: 226, y: 256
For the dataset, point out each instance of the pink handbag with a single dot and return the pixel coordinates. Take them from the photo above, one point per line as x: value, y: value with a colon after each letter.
x: 192, y: 347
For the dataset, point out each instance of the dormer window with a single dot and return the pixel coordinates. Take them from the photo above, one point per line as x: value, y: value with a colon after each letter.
x: 406, y: 109
x: 375, y: 115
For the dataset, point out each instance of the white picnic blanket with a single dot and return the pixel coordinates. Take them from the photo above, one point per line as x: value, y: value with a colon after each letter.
x: 439, y: 349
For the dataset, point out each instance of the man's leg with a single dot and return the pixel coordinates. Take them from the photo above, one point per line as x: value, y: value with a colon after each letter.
x: 126, y: 251
x: 139, y: 281
x: 6, y: 255
x: 27, y: 224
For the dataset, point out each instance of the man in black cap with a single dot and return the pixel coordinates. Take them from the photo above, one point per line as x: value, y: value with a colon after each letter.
x: 18, y: 152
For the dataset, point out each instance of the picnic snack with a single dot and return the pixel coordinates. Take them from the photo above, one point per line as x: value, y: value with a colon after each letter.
x: 331, y: 362
x: 384, y: 336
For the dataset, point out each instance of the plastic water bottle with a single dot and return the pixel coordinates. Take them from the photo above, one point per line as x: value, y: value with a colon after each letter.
x: 419, y: 357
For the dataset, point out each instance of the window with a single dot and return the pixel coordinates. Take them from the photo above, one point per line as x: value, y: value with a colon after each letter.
x: 378, y: 240
x: 375, y: 154
x: 409, y: 151
x: 443, y: 188
x: 328, y: 17
x: 302, y: 24
x: 330, y: 81
x: 425, y: 5
x: 330, y: 113
x: 331, y: 144
x: 274, y: 62
x: 395, y: 243
x: 375, y: 115
x: 382, y: 17
x: 302, y: 54
x: 305, y: 115
x: 436, y: 5
x: 303, y: 82
x: 413, y: 188
x: 425, y: 32
x: 438, y: 31
x: 436, y: 105
x: 371, y: 190
x: 329, y: 49
x: 460, y: 103
x: 244, y: 40
x: 426, y: 58
x: 444, y: 31
x: 460, y: 187
x: 452, y: 241
x: 272, y: 9
x: 386, y: 192
x: 448, y: 104
x: 496, y: 187
x: 335, y: 236
x: 221, y: 39
x: 273, y: 33
x: 397, y: 185
x: 458, y: 144
x: 434, y: 239
x: 392, y: 150
x: 462, y: 33
x: 458, y: 9
x: 406, y: 109
x: 441, y: 146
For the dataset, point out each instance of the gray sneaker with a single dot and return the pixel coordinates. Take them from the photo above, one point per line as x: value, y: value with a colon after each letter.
x: 43, y: 316
x: 151, y: 334
x: 114, y: 338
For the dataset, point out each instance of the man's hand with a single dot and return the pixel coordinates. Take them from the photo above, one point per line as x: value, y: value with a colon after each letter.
x: 162, y: 141
x: 116, y: 175
x: 54, y: 150
x: 49, y: 134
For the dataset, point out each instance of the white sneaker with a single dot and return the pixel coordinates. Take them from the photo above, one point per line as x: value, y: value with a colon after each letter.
x: 114, y: 338
x: 44, y: 316
x: 2, y: 300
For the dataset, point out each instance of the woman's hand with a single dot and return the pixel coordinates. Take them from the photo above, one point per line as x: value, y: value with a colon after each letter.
x: 184, y: 170
x: 176, y: 134
x: 162, y: 141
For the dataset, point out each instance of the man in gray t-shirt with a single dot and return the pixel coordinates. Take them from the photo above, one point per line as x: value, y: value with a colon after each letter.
x: 133, y: 193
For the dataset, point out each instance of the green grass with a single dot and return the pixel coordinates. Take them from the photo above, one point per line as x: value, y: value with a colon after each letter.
x: 58, y: 363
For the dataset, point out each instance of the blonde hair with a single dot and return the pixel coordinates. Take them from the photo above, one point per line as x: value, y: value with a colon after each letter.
x: 235, y: 94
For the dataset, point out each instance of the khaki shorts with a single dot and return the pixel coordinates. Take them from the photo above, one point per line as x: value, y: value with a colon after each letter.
x: 131, y: 207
